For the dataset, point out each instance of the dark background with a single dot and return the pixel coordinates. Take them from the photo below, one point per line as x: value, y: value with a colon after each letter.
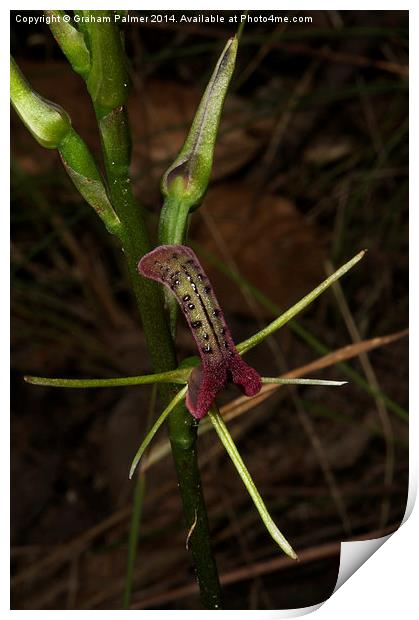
x: 311, y: 167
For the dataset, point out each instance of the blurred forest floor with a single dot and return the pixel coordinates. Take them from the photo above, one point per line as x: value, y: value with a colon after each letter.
x: 311, y: 167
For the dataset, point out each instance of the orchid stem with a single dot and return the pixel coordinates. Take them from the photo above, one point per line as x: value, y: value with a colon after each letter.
x: 110, y: 106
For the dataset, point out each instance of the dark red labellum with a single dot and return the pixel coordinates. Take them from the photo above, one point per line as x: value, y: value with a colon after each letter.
x: 178, y: 268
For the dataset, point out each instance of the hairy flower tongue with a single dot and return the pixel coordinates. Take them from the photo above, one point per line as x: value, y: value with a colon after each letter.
x: 177, y: 267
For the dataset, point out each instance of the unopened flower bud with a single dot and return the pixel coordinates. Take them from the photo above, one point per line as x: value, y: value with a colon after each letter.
x: 187, y: 178
x: 47, y: 121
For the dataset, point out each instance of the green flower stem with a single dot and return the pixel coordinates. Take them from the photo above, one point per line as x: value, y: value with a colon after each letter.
x: 251, y: 342
x: 108, y: 81
x: 173, y: 225
x: 230, y: 446
x: 175, y: 376
x: 183, y: 437
x: 115, y: 138
x: 173, y: 221
x: 185, y: 455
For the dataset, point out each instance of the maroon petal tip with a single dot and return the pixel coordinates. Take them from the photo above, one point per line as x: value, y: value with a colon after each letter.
x: 246, y: 377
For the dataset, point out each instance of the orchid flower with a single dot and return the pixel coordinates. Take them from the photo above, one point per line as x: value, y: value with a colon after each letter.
x: 178, y: 268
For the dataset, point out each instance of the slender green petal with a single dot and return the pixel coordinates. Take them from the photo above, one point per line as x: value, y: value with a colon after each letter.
x: 71, y: 42
x: 281, y: 381
x: 175, y: 376
x: 251, y: 342
x: 230, y: 446
x: 143, y: 447
x: 47, y: 122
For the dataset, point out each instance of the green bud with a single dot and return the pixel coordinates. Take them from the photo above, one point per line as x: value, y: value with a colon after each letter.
x: 47, y: 122
x: 188, y: 177
x: 108, y: 81
x: 71, y: 42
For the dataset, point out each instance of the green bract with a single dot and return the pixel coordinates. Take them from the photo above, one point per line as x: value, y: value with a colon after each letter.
x: 187, y: 178
x: 47, y: 122
x: 82, y: 170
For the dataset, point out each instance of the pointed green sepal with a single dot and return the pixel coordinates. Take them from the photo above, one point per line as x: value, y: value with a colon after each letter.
x: 251, y: 342
x: 292, y: 381
x: 234, y: 454
x: 173, y: 376
x: 148, y: 438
